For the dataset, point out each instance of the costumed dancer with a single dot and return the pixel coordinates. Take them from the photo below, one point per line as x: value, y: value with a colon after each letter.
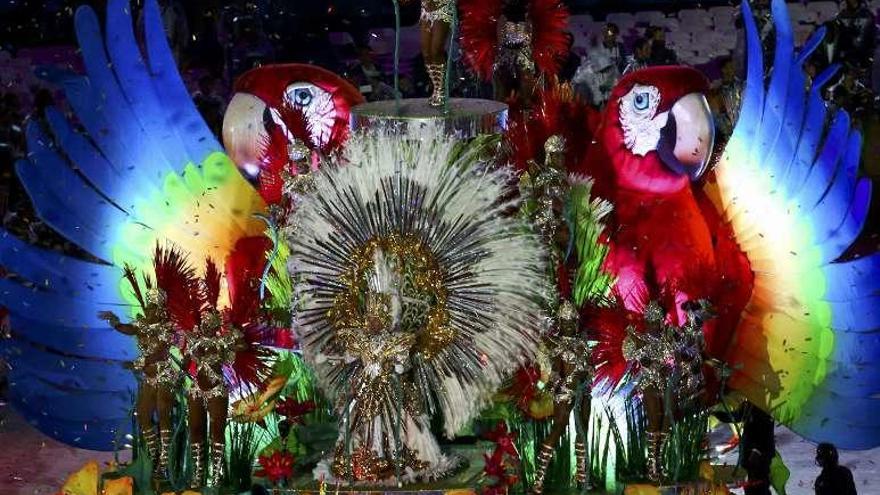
x: 666, y: 359
x: 569, y: 219
x: 513, y: 42
x: 217, y: 342
x: 423, y: 310
x: 209, y: 347
x: 155, y: 338
x: 287, y: 158
x: 548, y: 189
x: 435, y: 23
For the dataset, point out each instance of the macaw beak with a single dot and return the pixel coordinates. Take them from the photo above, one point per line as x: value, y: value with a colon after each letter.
x: 244, y: 132
x: 687, y: 140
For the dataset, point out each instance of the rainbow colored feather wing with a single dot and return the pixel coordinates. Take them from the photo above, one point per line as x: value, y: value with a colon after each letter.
x: 146, y: 169
x: 807, y: 347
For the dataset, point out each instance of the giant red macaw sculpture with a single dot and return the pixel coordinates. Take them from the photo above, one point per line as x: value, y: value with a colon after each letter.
x: 760, y: 236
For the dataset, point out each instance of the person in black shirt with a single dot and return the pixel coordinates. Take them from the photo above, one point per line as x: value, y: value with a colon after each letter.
x: 660, y: 53
x: 834, y: 478
x: 570, y: 62
x: 757, y: 447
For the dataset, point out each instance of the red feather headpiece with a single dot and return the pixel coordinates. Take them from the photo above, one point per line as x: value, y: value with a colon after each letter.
x: 244, y: 269
x: 479, y: 34
x: 177, y: 279
x: 550, y: 41
x: 211, y: 284
x: 557, y: 111
x: 608, y: 326
x: 275, y: 156
x: 129, y: 274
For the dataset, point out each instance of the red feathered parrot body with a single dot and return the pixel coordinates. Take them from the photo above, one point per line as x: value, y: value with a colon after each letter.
x: 654, y: 139
x: 764, y: 238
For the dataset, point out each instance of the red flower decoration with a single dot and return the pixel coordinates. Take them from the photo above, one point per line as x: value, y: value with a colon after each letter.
x: 277, y: 467
x: 494, y: 465
x: 525, y: 386
x: 294, y: 410
x: 284, y: 338
x: 495, y: 490
x: 504, y: 440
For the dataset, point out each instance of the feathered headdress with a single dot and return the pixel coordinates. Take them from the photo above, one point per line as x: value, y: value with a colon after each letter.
x: 550, y: 40
x: 131, y: 276
x: 433, y: 207
x: 177, y: 279
x: 479, y: 34
x: 244, y: 269
x: 211, y: 284
x: 558, y: 111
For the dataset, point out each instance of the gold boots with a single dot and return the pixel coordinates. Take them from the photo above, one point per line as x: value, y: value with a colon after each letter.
x: 164, y: 444
x: 218, y: 452
x: 583, y: 469
x: 655, y: 442
x: 437, y: 74
x: 151, y: 445
x: 544, y: 457
x: 198, y: 472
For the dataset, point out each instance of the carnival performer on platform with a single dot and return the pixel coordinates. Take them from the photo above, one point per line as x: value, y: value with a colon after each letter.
x: 435, y: 23
x: 155, y: 366
x: 549, y: 192
x: 215, y: 342
x: 514, y: 42
x: 663, y: 361
x: 542, y: 144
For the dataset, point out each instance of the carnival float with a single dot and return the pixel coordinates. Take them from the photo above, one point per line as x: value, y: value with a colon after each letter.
x: 438, y: 295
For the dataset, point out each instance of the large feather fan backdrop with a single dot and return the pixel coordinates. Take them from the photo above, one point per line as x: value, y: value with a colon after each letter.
x: 421, y: 223
x: 145, y: 169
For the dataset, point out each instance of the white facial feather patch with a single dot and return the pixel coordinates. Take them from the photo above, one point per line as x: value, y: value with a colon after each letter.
x: 641, y: 126
x: 317, y: 105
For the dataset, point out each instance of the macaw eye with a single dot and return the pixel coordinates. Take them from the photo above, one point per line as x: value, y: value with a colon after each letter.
x: 641, y: 101
x: 302, y: 97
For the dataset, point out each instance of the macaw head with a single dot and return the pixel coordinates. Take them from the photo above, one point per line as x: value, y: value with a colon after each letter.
x: 658, y: 129
x: 323, y: 97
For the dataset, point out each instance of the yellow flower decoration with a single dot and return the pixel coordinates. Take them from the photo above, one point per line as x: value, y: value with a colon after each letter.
x: 120, y: 486
x: 256, y: 407
x: 83, y: 482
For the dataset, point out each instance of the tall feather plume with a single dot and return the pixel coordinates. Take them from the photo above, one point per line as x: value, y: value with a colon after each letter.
x: 608, y: 326
x: 130, y: 275
x: 297, y: 124
x: 550, y: 41
x: 274, y: 160
x: 244, y: 270
x: 250, y: 365
x: 178, y: 280
x: 586, y: 214
x: 275, y: 150
x: 211, y: 283
x: 479, y: 34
